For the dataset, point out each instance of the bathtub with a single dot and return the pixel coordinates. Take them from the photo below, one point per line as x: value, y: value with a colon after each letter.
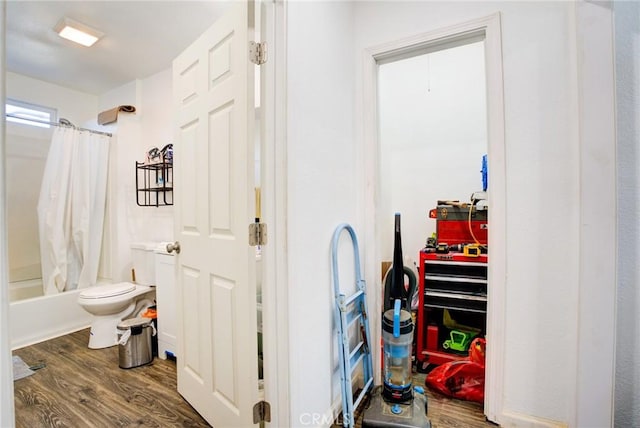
x: 19, y: 290
x: 41, y: 318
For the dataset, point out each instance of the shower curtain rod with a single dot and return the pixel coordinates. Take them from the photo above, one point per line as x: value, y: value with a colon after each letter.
x: 108, y: 134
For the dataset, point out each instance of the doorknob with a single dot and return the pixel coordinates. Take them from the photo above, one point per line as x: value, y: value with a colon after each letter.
x: 171, y: 247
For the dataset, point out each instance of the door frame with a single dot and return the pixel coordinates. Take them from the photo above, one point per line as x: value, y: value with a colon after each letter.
x: 275, y: 300
x: 596, y: 300
x: 490, y: 28
x: 6, y: 376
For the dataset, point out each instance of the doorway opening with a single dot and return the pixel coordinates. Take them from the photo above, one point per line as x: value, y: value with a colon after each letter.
x: 432, y: 124
x: 433, y: 108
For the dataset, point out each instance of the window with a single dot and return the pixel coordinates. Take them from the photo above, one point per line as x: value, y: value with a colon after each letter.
x: 30, y: 114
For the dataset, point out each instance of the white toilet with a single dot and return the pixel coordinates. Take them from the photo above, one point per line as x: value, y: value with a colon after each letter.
x: 110, y: 304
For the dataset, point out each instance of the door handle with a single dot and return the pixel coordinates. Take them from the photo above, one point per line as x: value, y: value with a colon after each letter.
x: 175, y: 246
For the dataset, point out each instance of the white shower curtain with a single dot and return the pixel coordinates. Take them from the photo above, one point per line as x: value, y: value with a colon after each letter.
x: 71, y: 209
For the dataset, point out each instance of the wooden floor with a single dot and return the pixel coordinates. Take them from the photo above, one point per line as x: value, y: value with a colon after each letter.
x: 445, y: 412
x: 81, y: 387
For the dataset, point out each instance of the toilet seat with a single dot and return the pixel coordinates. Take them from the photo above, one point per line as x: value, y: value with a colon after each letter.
x: 109, y: 290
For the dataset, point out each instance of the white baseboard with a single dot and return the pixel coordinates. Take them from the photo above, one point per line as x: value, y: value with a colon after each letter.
x: 520, y: 420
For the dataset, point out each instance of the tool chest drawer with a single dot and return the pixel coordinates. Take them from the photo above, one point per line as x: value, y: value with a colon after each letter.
x: 455, y: 269
x: 455, y: 285
x: 447, y: 300
x: 448, y: 282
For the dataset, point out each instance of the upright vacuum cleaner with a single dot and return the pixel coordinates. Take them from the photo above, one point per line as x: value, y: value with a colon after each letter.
x: 397, y: 404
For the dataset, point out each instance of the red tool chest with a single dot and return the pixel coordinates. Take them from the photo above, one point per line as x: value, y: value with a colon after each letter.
x: 453, y: 224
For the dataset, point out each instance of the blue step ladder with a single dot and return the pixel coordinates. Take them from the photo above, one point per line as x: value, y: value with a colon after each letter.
x: 348, y: 311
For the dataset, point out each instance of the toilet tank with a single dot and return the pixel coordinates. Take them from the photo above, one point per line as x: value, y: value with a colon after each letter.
x: 144, y: 262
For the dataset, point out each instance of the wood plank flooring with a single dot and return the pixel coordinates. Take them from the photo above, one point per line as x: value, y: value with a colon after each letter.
x: 81, y: 387
x: 445, y: 412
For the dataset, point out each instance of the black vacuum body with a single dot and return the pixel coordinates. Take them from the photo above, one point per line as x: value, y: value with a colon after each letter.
x: 397, y: 289
x: 397, y: 331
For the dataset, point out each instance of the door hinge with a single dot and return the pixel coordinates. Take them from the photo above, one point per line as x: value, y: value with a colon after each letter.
x: 258, y: 52
x: 261, y: 412
x: 257, y: 234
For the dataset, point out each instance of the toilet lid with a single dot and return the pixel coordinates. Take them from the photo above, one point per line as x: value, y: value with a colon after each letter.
x: 109, y: 290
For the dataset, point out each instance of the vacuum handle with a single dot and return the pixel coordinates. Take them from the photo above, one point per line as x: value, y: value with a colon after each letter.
x: 397, y: 306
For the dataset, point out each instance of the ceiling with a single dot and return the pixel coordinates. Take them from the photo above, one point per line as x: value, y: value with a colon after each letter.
x: 141, y: 38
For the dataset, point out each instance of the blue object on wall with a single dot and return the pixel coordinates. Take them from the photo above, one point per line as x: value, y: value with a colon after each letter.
x: 485, y: 173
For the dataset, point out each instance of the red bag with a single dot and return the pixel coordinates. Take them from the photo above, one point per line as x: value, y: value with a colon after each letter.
x: 462, y: 379
x: 477, y: 350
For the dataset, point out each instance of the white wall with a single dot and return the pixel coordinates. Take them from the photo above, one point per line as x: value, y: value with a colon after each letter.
x: 542, y: 103
x: 543, y: 199
x: 157, y: 126
x: 322, y: 188
x: 543, y: 181
x: 78, y: 107
x: 433, y: 133
x: 542, y: 168
x: 627, y: 41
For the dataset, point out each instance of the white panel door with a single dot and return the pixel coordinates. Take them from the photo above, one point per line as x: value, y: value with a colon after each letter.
x: 214, y: 185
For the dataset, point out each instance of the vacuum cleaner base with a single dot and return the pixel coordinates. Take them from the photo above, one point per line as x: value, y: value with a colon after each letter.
x: 379, y: 413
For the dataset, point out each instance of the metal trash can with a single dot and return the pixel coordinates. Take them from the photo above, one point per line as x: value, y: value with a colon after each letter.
x: 134, y: 342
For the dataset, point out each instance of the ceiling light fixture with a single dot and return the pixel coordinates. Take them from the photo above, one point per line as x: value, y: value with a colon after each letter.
x: 77, y: 32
